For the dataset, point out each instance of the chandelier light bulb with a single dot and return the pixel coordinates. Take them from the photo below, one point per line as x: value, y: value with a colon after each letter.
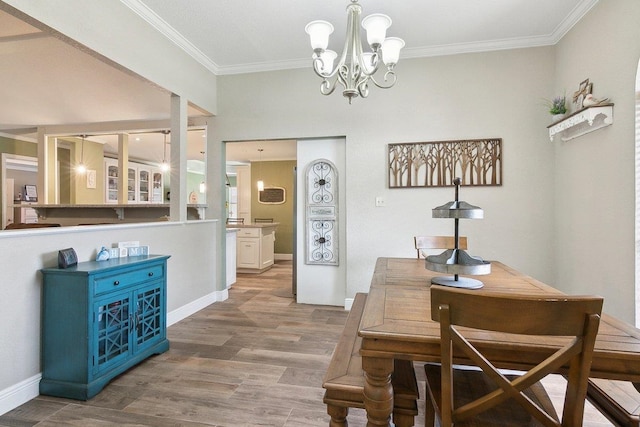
x: 369, y: 62
x: 327, y: 57
x: 319, y: 32
x: 391, y: 50
x: 376, y: 26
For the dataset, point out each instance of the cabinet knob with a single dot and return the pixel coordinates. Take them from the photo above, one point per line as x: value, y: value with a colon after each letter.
x: 116, y: 283
x: 150, y: 273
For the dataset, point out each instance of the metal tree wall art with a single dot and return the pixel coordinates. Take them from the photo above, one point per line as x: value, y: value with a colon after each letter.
x: 322, y: 213
x: 478, y: 162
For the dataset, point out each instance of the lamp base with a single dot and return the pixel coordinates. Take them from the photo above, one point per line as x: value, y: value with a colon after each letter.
x: 462, y: 282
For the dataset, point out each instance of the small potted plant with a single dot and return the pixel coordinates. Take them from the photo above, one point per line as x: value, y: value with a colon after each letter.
x: 557, y: 107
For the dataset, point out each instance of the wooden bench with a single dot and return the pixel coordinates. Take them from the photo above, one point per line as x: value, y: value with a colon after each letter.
x: 344, y: 380
x: 619, y: 401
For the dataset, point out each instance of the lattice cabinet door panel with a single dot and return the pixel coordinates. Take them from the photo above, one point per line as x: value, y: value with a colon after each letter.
x: 112, y: 330
x: 98, y: 320
x: 148, y: 320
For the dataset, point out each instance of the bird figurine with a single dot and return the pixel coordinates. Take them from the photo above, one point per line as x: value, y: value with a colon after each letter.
x: 103, y: 254
x: 590, y: 101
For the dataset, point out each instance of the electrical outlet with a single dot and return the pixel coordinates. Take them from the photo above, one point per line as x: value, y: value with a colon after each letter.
x: 379, y: 202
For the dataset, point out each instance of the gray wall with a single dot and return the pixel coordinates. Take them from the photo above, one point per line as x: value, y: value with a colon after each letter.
x: 565, y: 214
x: 191, y: 284
x: 594, y: 175
x: 495, y: 94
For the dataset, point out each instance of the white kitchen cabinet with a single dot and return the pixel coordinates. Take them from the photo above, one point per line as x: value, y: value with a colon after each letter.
x: 254, y: 247
x: 243, y: 182
x: 231, y: 256
x: 144, y: 182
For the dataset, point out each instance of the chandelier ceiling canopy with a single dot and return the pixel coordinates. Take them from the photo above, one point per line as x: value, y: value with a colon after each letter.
x: 355, y: 68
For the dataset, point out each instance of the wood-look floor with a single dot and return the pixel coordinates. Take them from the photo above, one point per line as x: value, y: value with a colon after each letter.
x: 256, y: 359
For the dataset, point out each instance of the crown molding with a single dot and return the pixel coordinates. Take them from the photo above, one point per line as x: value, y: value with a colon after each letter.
x: 572, y: 19
x: 169, y: 32
x: 430, y: 51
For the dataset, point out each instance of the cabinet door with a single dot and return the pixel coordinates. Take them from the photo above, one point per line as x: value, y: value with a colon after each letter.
x: 149, y: 320
x: 132, y: 184
x: 144, y: 185
x: 112, y: 330
x: 243, y: 179
x: 158, y: 189
x: 111, y: 182
x: 266, y: 254
x: 248, y: 253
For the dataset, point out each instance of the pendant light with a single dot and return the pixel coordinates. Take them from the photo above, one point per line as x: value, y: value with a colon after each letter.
x: 81, y: 168
x: 260, y: 181
x: 164, y: 167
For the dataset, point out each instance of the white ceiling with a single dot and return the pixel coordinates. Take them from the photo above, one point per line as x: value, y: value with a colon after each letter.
x: 48, y: 82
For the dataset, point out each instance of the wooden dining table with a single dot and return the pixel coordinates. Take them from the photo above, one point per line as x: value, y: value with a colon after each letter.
x: 396, y: 323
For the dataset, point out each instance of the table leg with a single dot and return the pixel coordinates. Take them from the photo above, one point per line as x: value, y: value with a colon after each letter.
x: 378, y: 392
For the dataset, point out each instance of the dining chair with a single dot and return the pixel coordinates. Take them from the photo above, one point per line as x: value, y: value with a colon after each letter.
x: 438, y: 242
x: 484, y: 395
x: 235, y: 220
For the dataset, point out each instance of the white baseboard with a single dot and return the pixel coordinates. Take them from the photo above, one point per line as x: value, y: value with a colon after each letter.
x: 283, y: 257
x: 18, y: 394
x: 194, y: 306
x: 348, y: 303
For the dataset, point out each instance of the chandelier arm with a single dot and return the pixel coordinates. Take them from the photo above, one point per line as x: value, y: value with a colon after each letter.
x: 389, y: 76
x: 326, y: 87
x: 363, y: 86
x: 375, y: 63
x: 318, y: 66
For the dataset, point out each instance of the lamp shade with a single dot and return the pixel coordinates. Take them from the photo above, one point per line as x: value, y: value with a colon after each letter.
x: 327, y: 57
x: 368, y: 62
x: 319, y: 32
x: 391, y: 50
x: 376, y: 26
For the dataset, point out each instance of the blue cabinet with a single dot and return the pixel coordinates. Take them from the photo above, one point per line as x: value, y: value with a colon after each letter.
x: 98, y: 320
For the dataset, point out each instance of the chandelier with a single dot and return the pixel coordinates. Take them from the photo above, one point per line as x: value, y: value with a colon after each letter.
x: 355, y: 68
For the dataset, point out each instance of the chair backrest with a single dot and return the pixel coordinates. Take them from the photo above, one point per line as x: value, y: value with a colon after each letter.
x: 263, y: 220
x: 438, y: 242
x: 235, y: 220
x: 577, y: 317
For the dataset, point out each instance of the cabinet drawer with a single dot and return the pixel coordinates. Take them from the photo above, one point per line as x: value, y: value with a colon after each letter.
x: 118, y: 280
x: 249, y: 232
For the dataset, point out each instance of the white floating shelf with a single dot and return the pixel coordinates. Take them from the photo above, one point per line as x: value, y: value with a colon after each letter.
x: 582, y: 122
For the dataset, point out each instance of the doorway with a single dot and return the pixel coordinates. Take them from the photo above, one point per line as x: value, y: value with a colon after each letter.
x: 17, y: 172
x: 272, y: 162
x: 311, y: 284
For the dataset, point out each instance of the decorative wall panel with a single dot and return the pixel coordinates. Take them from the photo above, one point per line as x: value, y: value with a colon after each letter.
x: 321, y: 210
x: 478, y: 162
